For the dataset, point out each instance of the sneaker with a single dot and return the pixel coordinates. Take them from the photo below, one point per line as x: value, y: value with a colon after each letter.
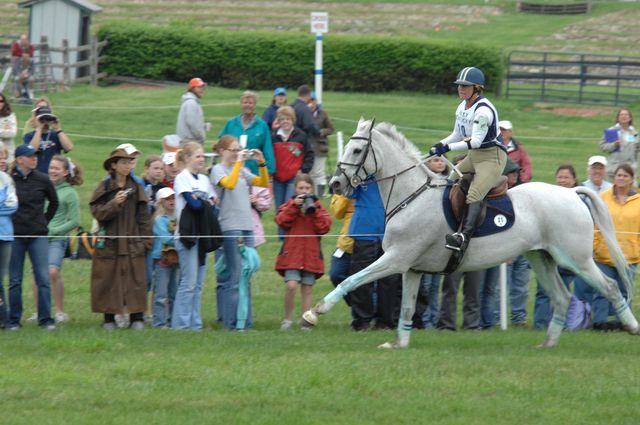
x: 109, y: 326
x: 50, y: 327
x: 122, y: 320
x: 286, y: 325
x: 138, y: 325
x: 33, y: 317
x: 13, y: 328
x: 61, y: 317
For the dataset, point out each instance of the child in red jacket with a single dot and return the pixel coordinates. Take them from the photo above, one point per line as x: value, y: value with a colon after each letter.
x: 300, y: 259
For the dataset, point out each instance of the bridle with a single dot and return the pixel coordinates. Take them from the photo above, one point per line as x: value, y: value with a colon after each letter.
x: 355, y: 180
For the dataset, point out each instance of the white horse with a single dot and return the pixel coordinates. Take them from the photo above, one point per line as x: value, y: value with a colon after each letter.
x: 553, y: 227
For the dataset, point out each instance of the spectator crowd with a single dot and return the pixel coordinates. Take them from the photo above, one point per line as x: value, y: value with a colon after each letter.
x: 155, y: 232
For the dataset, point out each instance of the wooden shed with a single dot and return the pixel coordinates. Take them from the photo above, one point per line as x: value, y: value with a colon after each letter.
x: 60, y: 20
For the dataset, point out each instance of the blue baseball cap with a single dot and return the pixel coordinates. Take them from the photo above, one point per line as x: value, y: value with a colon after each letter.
x: 280, y: 90
x: 24, y: 150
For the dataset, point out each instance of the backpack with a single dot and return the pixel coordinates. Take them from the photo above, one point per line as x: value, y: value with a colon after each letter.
x: 81, y: 245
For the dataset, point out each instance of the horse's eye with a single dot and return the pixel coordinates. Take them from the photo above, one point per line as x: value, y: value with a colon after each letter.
x: 357, y: 151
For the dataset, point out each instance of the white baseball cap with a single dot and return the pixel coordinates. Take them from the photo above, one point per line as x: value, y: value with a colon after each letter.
x: 129, y: 149
x: 169, y: 158
x: 506, y: 125
x: 597, y: 159
x: 165, y: 192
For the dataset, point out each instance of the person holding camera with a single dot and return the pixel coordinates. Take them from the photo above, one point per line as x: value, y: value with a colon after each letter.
x: 232, y: 182
x: 118, y: 272
x: 300, y: 260
x: 48, y: 138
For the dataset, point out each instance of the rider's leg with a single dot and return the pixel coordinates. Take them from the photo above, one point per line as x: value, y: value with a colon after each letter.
x: 488, y: 165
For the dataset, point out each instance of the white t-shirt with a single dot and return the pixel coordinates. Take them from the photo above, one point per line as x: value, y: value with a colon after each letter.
x: 187, y: 182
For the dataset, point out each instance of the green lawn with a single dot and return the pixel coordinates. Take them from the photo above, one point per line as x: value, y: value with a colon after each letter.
x: 82, y: 375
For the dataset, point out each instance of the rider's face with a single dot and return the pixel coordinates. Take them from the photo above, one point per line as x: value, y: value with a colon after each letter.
x: 465, y: 92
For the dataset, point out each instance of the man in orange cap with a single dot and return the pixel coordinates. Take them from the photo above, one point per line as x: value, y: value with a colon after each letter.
x: 191, y: 126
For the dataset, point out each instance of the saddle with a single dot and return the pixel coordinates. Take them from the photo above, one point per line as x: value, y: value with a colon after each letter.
x: 458, y: 194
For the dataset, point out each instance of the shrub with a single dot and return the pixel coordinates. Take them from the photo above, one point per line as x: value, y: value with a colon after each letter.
x: 259, y: 60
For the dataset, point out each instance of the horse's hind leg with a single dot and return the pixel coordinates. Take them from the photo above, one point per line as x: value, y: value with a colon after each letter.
x: 547, y: 271
x: 608, y: 287
x: 383, y: 266
x: 410, y: 286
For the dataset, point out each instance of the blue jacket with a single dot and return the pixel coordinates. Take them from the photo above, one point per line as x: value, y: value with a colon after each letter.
x: 368, y: 217
x: 8, y: 205
x: 162, y: 235
x: 258, y: 137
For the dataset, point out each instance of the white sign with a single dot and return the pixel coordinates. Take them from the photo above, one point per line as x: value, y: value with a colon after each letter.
x: 319, y: 22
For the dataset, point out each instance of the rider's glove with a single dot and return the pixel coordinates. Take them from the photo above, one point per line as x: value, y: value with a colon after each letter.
x: 438, y: 149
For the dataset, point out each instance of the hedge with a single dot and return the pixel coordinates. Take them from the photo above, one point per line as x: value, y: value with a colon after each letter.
x: 259, y: 60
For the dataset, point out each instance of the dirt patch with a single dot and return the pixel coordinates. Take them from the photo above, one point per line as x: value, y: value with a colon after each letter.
x: 582, y: 112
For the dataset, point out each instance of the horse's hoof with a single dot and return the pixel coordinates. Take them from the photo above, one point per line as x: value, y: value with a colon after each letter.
x: 547, y: 344
x: 310, y: 318
x: 633, y: 331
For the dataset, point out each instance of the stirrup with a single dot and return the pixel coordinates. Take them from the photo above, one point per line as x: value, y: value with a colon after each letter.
x: 455, y: 242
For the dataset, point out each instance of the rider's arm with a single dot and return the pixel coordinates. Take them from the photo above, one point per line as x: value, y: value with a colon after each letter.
x: 482, y: 119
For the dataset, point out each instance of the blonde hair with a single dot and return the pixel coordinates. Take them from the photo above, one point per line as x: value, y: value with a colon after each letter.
x: 223, y: 143
x: 161, y: 210
x: 188, y: 149
x: 249, y: 93
x: 286, y: 111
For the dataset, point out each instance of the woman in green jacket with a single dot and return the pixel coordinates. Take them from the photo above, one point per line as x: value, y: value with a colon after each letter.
x: 64, y: 174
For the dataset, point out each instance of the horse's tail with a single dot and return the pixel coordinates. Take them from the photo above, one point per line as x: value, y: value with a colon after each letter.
x: 602, y: 219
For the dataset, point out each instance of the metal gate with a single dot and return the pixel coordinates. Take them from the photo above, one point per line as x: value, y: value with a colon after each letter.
x: 573, y: 78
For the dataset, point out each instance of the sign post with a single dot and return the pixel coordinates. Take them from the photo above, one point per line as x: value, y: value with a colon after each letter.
x: 319, y: 26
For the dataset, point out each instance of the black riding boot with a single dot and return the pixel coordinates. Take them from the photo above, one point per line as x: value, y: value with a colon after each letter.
x: 460, y: 240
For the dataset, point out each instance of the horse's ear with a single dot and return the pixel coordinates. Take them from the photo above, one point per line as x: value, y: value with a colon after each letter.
x: 361, y: 121
x: 373, y: 123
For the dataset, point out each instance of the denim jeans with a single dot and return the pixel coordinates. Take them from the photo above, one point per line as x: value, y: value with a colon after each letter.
x: 542, y: 310
x: 186, y: 309
x: 164, y: 294
x: 38, y: 249
x: 282, y: 192
x: 150, y: 266
x: 57, y: 249
x: 430, y: 284
x: 5, y: 257
x: 518, y: 274
x: 600, y: 307
x: 489, y: 297
x: 228, y: 285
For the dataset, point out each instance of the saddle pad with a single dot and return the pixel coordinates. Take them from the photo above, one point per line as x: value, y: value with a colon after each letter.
x: 499, y: 215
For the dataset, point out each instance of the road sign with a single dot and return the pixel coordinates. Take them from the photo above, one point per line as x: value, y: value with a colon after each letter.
x: 319, y: 22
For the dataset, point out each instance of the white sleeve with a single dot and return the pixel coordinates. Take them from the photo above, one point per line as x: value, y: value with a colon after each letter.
x: 482, y: 119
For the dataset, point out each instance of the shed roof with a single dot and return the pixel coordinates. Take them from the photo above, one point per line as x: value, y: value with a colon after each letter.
x: 81, y: 4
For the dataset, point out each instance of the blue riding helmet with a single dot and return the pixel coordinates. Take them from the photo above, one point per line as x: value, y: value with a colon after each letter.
x: 470, y: 76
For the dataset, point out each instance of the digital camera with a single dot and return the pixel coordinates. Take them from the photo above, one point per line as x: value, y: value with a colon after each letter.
x: 308, y: 203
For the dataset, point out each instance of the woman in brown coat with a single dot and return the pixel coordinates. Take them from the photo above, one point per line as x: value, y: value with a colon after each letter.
x: 118, y: 273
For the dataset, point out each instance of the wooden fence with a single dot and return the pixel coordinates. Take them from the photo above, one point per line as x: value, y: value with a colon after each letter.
x: 93, y: 50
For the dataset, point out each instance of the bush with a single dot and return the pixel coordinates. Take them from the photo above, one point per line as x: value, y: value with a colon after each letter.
x: 260, y: 60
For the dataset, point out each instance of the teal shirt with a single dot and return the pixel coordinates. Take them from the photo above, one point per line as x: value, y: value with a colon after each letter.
x: 258, y: 137
x: 67, y: 215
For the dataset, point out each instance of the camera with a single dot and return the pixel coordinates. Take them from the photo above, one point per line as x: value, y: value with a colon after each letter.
x: 250, y: 154
x: 308, y: 203
x: 128, y: 191
x: 47, y: 118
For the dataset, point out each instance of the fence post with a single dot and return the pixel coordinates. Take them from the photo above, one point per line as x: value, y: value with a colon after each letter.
x: 44, y: 61
x: 66, y: 74
x: 93, y: 60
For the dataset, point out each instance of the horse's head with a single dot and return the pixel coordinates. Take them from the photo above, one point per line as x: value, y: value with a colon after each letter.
x: 358, y: 161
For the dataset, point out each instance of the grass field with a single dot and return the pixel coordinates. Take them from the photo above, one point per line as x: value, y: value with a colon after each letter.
x: 82, y: 375
x: 609, y: 28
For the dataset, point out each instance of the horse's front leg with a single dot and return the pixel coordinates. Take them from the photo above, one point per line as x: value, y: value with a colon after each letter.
x: 382, y: 267
x: 410, y: 287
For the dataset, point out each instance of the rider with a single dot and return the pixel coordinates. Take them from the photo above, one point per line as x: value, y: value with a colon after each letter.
x: 476, y: 129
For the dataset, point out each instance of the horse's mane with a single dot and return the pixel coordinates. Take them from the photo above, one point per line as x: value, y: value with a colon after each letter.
x: 389, y: 130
